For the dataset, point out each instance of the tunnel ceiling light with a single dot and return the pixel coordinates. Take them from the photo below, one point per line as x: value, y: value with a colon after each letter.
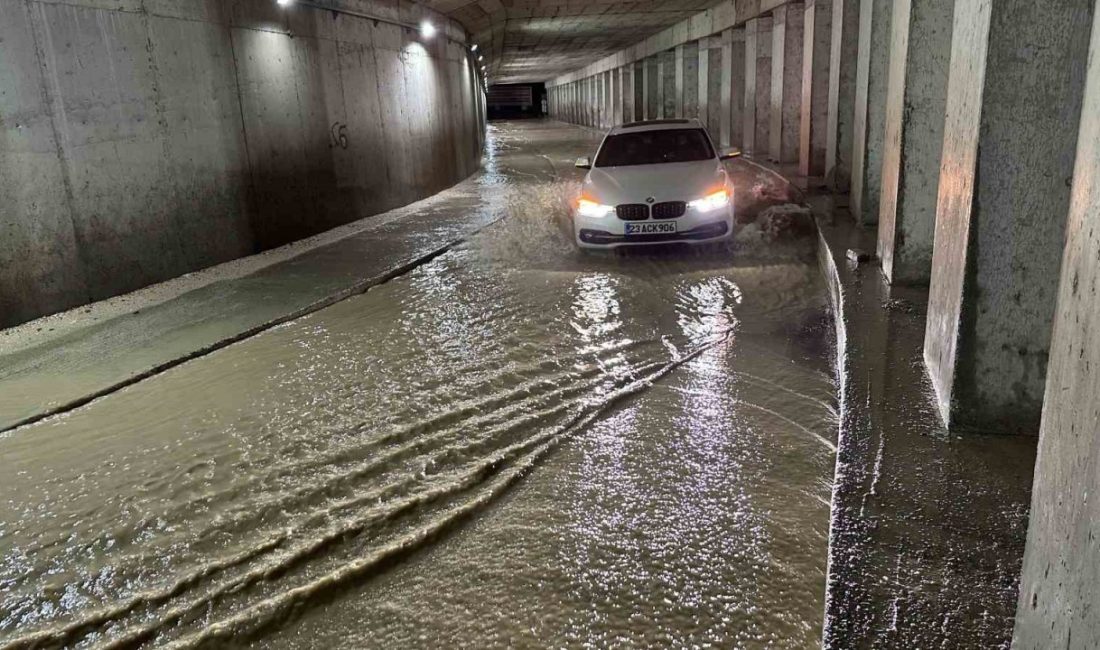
x: 427, y: 29
x: 285, y: 3
x: 480, y: 58
x: 473, y: 48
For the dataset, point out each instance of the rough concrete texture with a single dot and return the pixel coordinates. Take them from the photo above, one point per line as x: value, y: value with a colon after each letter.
x: 763, y: 92
x: 689, y: 89
x: 702, y: 82
x: 640, y: 94
x: 714, y: 90
x: 725, y: 101
x: 668, y: 84
x: 786, y: 90
x: 1060, y: 585
x: 737, y: 88
x: 816, y: 44
x: 843, y: 59
x: 928, y: 529
x: 1003, y: 199
x: 140, y: 141
x: 753, y: 44
x: 870, y: 109
x: 652, y: 97
x: 626, y: 74
x: 916, y: 102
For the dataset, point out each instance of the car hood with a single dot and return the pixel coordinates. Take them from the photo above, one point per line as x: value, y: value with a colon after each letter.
x: 685, y: 181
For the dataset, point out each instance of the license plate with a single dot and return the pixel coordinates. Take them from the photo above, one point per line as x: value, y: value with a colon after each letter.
x: 651, y: 228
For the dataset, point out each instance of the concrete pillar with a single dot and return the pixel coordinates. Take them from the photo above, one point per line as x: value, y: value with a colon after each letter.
x: 662, y: 84
x: 678, y: 81
x: 689, y: 93
x: 714, y: 89
x: 843, y: 59
x: 703, y: 85
x: 1013, y: 105
x: 626, y: 96
x: 1060, y: 582
x: 609, y: 119
x: 870, y: 115
x: 758, y: 76
x: 651, y: 99
x: 639, y: 90
x: 816, y: 44
x: 726, y: 72
x: 737, y: 87
x: 786, y: 95
x: 916, y: 99
x: 752, y: 47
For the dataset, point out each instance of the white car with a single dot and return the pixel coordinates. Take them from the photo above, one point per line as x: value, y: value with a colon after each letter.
x: 653, y: 182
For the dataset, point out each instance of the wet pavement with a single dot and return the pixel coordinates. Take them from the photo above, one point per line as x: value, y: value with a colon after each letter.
x: 510, y: 444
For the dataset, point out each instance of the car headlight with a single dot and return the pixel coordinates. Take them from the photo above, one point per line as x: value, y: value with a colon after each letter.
x: 711, y: 202
x: 586, y: 207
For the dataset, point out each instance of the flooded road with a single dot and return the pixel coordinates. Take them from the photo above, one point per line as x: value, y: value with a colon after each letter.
x: 514, y: 444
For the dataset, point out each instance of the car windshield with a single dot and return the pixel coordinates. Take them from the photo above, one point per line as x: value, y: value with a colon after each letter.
x: 654, y: 147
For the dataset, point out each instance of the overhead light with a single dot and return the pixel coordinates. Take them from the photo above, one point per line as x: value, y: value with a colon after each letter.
x: 285, y: 3
x: 427, y: 29
x: 480, y: 58
x: 473, y: 48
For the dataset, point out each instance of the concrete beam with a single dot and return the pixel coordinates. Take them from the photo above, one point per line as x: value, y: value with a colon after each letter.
x: 870, y: 111
x: 916, y: 100
x: 1060, y: 583
x: 843, y: 59
x: 1008, y: 153
x: 786, y: 92
x: 816, y: 44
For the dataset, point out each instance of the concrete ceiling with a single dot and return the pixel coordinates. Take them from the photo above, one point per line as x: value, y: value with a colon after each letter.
x: 537, y: 40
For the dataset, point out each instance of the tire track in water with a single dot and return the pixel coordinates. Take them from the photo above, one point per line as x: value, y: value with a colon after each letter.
x: 489, y: 475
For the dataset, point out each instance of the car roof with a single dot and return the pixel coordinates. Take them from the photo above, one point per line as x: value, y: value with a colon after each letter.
x: 656, y: 125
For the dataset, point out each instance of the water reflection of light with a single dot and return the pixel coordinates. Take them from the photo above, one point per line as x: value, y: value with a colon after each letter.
x: 597, y: 318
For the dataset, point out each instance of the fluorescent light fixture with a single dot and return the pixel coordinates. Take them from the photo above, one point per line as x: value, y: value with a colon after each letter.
x: 480, y: 58
x: 473, y: 48
x: 285, y: 3
x: 427, y: 29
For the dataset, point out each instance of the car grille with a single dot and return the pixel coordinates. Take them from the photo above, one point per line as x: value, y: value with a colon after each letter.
x: 669, y: 210
x: 632, y: 211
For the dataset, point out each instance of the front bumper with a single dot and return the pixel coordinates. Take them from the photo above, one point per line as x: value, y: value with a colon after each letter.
x: 692, y: 228
x: 714, y: 231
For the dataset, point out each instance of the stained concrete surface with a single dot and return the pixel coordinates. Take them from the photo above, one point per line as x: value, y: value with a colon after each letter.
x: 473, y: 437
x: 928, y: 528
x: 869, y: 122
x: 916, y: 104
x: 143, y: 140
x: 1060, y: 582
x: 843, y: 58
x: 1004, y: 192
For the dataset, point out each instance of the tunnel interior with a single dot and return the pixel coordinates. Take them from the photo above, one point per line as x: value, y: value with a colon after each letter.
x: 307, y: 339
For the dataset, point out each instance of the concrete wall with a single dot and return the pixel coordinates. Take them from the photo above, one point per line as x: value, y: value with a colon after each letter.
x: 1009, y: 147
x: 143, y: 140
x: 1060, y: 585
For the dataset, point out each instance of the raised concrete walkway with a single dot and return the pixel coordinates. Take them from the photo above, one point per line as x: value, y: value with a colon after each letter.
x: 44, y: 374
x: 928, y: 528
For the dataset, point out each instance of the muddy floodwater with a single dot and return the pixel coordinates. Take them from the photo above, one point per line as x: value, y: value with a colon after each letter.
x: 514, y: 444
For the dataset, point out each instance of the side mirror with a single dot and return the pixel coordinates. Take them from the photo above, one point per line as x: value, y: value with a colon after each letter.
x: 729, y: 154
x: 583, y: 163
